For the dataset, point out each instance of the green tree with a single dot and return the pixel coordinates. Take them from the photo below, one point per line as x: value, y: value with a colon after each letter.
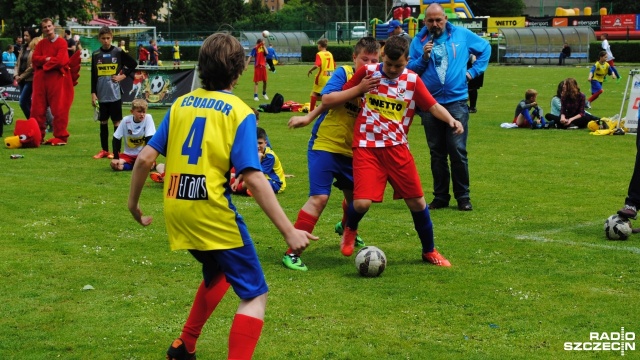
x: 19, y: 14
x: 127, y: 11
x: 181, y: 12
x: 622, y: 6
x: 497, y: 7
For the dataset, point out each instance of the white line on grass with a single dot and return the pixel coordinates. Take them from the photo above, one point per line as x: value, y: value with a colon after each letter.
x: 539, y: 236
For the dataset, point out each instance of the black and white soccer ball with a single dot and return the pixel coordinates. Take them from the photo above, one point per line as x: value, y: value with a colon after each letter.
x: 617, y: 228
x: 85, y: 54
x: 370, y: 261
x: 157, y: 84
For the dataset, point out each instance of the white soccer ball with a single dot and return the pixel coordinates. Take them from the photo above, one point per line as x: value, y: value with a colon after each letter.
x: 370, y: 261
x: 85, y: 54
x: 157, y: 84
x: 265, y: 34
x: 617, y: 228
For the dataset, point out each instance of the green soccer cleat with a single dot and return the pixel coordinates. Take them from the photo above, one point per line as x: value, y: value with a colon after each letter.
x: 293, y: 262
x: 338, y: 229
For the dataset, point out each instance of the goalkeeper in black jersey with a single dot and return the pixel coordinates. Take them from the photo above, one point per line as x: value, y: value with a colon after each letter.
x: 109, y: 66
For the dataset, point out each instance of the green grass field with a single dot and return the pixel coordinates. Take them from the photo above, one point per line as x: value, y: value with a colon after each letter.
x: 531, y: 271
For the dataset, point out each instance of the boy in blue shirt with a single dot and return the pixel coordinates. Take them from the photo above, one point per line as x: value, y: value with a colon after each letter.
x: 271, y: 55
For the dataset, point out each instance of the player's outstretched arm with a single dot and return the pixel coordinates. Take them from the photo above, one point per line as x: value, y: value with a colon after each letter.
x: 351, y: 90
x: 301, y: 121
x: 442, y: 114
x: 297, y: 240
x: 141, y: 169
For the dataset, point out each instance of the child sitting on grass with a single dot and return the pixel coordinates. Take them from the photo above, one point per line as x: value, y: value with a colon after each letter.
x: 523, y: 118
x: 271, y: 167
x: 136, y: 130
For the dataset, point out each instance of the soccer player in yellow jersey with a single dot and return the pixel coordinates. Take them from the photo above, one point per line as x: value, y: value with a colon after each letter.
x: 176, y: 55
x: 596, y: 76
x: 324, y: 62
x: 329, y: 154
x: 202, y: 135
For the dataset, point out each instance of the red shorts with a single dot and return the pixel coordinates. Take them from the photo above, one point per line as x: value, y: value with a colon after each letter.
x: 373, y: 167
x: 259, y: 74
x: 129, y: 159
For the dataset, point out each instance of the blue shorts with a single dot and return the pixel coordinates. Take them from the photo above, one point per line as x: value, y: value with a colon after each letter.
x: 240, y: 266
x: 595, y: 86
x: 324, y: 167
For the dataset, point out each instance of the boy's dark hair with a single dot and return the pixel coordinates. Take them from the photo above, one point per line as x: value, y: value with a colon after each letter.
x: 367, y: 44
x: 559, y: 89
x: 601, y: 54
x: 67, y: 31
x: 220, y: 61
x: 262, y: 134
x: 323, y: 43
x: 395, y: 47
x: 104, y: 30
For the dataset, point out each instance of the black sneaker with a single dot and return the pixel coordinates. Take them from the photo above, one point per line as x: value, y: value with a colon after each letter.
x: 464, y: 205
x: 177, y: 351
x: 473, y: 110
x: 629, y: 212
x: 438, y: 204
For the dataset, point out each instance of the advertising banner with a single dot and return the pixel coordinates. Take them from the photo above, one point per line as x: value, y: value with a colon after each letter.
x: 160, y: 87
x: 593, y: 22
x: 538, y: 21
x: 494, y: 23
x: 12, y: 92
x: 634, y: 102
x: 618, y: 22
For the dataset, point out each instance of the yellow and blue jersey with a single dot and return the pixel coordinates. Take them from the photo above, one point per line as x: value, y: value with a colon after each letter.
x: 202, y: 136
x: 333, y: 131
x: 272, y: 169
x: 600, y: 71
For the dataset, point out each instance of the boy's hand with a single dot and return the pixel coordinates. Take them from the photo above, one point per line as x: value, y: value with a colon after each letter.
x: 142, y: 220
x: 116, y: 165
x: 299, y: 121
x: 457, y: 127
x: 368, y: 83
x: 298, y: 240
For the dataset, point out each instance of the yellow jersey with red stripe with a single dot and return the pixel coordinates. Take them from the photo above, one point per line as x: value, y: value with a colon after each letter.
x: 203, y: 135
x: 326, y: 66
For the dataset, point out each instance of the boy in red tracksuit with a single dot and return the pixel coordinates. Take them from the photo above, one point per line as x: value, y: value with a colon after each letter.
x: 52, y: 83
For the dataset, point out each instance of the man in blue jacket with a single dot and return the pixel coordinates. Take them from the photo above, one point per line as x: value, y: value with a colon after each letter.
x: 439, y: 54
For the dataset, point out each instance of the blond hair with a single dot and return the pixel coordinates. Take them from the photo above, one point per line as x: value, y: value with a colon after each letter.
x: 34, y: 42
x: 139, y: 104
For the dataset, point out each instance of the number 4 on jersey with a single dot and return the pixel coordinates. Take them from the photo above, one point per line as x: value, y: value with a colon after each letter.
x: 192, y: 146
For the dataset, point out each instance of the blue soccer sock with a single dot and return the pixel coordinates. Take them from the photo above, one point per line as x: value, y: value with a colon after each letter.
x: 353, y: 217
x: 424, y: 227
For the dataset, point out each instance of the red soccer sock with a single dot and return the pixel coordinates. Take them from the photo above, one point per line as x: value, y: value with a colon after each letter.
x: 306, y: 222
x: 244, y: 336
x: 313, y: 103
x: 206, y: 300
x: 595, y: 95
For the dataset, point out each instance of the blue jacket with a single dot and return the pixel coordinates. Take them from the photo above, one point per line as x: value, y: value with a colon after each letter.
x: 271, y: 54
x: 460, y: 43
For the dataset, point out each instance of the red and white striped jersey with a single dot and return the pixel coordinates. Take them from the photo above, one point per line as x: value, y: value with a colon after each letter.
x: 388, y: 110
